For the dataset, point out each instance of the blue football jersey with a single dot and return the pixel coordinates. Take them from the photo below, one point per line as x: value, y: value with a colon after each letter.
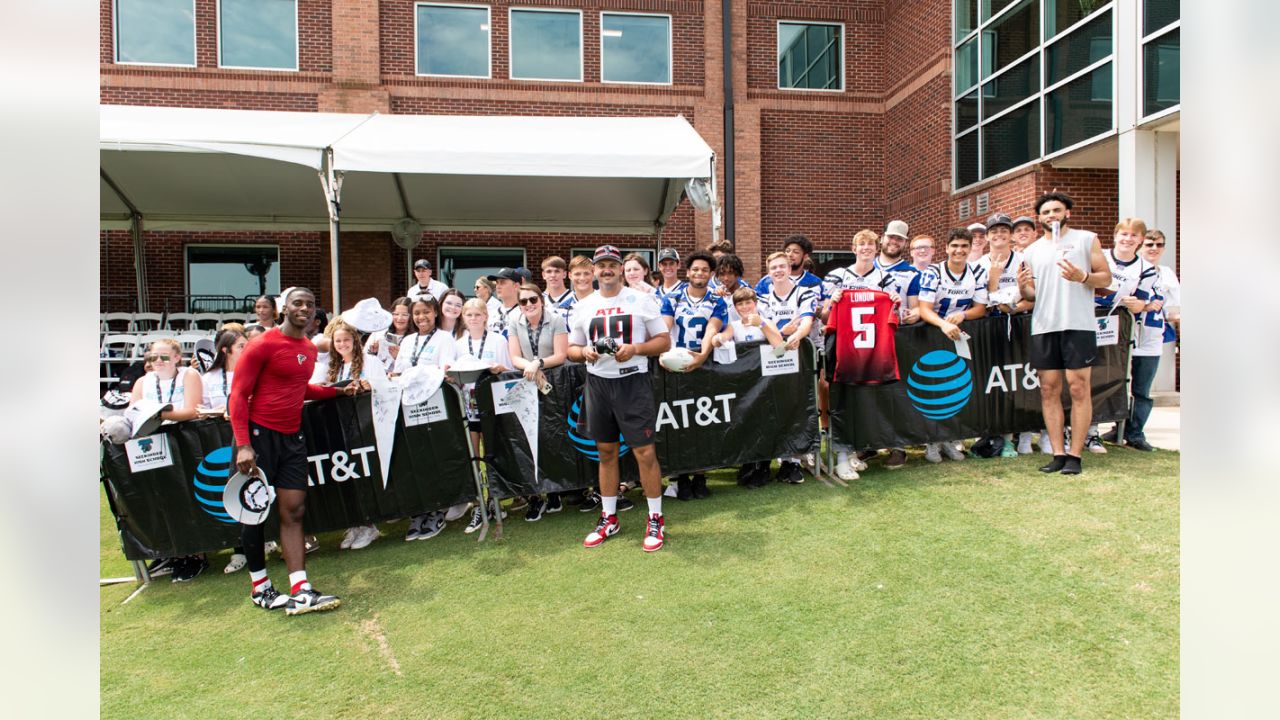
x: 953, y: 293
x: 691, y: 316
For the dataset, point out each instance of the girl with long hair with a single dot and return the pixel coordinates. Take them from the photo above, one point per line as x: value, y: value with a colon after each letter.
x: 264, y: 308
x: 385, y: 344
x: 636, y: 271
x: 451, y: 311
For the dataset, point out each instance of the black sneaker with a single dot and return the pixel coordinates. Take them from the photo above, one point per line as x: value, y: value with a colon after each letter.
x: 432, y: 525
x: 790, y: 473
x: 700, y: 490
x: 305, y: 601
x: 1141, y: 445
x: 536, y: 507
x: 160, y: 568
x: 897, y: 458
x: 189, y: 568
x: 590, y: 502
x: 684, y: 487
x: 624, y: 504
x: 269, y: 599
x: 554, y: 504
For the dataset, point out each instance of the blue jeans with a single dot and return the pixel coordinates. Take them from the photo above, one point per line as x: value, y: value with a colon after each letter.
x: 1143, y: 369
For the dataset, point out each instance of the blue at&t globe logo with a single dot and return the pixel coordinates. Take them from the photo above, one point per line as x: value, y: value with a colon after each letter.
x: 209, y: 482
x: 939, y: 384
x: 585, y: 445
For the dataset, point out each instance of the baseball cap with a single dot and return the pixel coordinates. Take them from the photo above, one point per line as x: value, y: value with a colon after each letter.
x: 606, y: 252
x: 524, y: 273
x: 999, y: 219
x: 668, y: 254
x: 506, y: 274
x: 422, y: 264
x: 896, y: 227
x: 977, y: 227
x: 1024, y: 219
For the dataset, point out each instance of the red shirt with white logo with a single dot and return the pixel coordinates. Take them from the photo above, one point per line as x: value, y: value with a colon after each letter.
x: 271, y: 382
x: 864, y: 322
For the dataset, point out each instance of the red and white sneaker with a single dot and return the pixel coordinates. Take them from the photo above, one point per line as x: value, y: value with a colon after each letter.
x: 653, y: 538
x: 605, y: 529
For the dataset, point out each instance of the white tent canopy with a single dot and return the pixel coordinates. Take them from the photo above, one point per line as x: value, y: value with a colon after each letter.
x: 238, y: 169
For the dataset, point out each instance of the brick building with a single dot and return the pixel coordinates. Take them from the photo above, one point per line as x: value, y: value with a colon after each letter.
x: 843, y: 113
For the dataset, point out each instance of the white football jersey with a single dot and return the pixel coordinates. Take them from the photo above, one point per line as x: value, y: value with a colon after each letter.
x: 630, y: 317
x: 953, y: 293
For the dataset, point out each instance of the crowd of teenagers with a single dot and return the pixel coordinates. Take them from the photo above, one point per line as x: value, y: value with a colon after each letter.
x: 511, y: 323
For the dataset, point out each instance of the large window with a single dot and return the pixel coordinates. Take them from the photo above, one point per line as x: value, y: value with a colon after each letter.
x: 546, y: 44
x: 1161, y: 68
x: 810, y: 56
x: 460, y: 266
x: 221, y: 277
x: 635, y: 48
x: 453, y: 40
x: 155, y: 32
x: 1032, y: 78
x: 261, y: 34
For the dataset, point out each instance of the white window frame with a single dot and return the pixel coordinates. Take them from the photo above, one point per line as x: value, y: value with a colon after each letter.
x: 297, y: 44
x: 186, y: 257
x: 1040, y: 95
x: 438, y: 272
x: 844, y: 39
x: 671, y: 60
x: 488, y: 23
x: 511, y: 46
x: 115, y: 41
x: 1142, y: 73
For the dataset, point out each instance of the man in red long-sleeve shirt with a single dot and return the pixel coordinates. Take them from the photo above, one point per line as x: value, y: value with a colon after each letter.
x: 270, y: 384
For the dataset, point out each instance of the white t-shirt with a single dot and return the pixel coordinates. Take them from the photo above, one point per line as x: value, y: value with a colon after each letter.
x: 217, y: 387
x: 434, y: 349
x: 383, y: 355
x: 1061, y: 304
x: 371, y: 369
x: 746, y: 333
x: 492, y: 348
x: 166, y: 391
x: 630, y: 317
x: 1008, y: 272
x: 434, y: 286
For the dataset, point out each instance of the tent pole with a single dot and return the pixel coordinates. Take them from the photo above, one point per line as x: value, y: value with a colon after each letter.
x: 332, y: 182
x: 139, y: 259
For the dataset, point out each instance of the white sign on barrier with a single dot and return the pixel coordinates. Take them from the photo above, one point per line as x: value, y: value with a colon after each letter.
x: 772, y: 364
x: 433, y: 410
x: 148, y: 453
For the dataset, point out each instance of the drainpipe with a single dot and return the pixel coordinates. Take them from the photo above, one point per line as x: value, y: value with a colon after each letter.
x: 727, y: 53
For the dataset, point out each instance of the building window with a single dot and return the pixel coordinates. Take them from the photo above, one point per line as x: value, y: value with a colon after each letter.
x: 1032, y: 78
x: 1159, y: 14
x: 810, y: 56
x: 635, y: 48
x: 1160, y: 73
x: 546, y: 44
x: 156, y: 32
x: 460, y: 266
x: 222, y: 278
x: 453, y: 40
x: 259, y: 34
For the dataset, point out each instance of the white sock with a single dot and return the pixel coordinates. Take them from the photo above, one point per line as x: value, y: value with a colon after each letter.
x: 298, y: 581
x: 259, y: 580
x: 655, y: 505
x: 609, y: 504
x: 842, y: 457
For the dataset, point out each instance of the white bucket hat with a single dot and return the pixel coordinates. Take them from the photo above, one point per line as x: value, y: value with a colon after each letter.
x: 367, y: 316
x: 419, y: 383
x: 248, y: 499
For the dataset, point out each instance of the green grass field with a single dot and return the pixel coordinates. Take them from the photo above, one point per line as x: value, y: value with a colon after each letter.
x: 981, y: 589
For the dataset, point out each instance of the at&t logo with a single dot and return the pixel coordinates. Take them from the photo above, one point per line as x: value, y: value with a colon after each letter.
x: 940, y: 384
x: 585, y: 445
x: 209, y: 482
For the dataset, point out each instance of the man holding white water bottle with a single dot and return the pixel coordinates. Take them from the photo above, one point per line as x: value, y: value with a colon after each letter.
x: 1060, y: 272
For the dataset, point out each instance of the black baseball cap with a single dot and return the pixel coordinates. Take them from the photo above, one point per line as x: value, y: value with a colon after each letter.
x: 1024, y: 219
x: 668, y: 254
x: 607, y: 252
x: 999, y: 219
x: 506, y: 274
x: 422, y: 264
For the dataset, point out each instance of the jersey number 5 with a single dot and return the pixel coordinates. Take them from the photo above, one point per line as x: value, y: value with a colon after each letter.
x: 616, y: 326
x: 864, y: 332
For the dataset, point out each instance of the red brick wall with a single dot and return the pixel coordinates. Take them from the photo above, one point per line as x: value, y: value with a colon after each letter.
x: 863, y: 42
x: 177, y: 97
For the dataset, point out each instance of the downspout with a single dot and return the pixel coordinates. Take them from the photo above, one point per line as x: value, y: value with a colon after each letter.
x: 727, y: 53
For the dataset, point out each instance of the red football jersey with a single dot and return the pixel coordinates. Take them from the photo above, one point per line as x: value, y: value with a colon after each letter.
x: 864, y: 322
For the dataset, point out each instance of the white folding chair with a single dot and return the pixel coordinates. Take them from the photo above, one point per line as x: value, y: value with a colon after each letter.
x: 120, y: 346
x: 117, y: 322
x: 188, y: 341
x: 145, y: 340
x: 146, y: 322
x: 206, y: 321
x: 179, y: 321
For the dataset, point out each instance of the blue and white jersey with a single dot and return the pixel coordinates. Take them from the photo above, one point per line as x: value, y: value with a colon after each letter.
x: 1140, y: 279
x: 806, y: 280
x: 662, y: 294
x: 846, y: 278
x: 1171, y: 289
x: 905, y: 275
x: 1008, y: 275
x: 692, y: 315
x: 953, y: 293
x: 565, y: 308
x: 554, y: 302
x: 799, y: 303
x: 502, y: 318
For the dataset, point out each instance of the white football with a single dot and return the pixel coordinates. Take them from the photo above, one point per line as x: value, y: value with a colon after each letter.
x: 676, y: 360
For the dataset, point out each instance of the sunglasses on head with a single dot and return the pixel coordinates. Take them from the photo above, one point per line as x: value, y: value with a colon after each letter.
x: 159, y: 358
x: 530, y: 300
x: 1153, y: 244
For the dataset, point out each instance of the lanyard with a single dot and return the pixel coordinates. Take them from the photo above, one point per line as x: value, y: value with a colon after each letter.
x: 471, y: 351
x: 535, y: 337
x: 420, y: 346
x: 225, y: 394
x: 345, y: 372
x: 173, y: 384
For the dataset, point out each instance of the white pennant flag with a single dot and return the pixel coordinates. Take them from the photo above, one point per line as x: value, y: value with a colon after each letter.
x: 386, y: 408
x: 522, y: 398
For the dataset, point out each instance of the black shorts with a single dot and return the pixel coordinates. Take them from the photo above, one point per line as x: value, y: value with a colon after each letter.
x: 1064, y: 350
x: 473, y: 426
x: 282, y: 456
x: 621, y: 406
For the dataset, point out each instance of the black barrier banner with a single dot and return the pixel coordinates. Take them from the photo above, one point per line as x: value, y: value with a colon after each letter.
x: 720, y: 415
x: 170, y: 504
x: 943, y: 396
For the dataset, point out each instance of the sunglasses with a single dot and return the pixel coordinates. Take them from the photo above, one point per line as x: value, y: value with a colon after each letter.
x: 1156, y: 245
x: 530, y: 301
x: 159, y: 358
x: 922, y: 247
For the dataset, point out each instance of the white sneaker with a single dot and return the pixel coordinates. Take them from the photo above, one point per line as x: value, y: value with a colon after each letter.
x: 271, y: 547
x: 365, y: 537
x: 809, y: 463
x: 856, y: 464
x: 1024, y: 443
x: 352, y: 534
x: 845, y: 471
x: 457, y: 511
x: 931, y: 453
x: 952, y: 451
x: 1046, y: 447
x: 237, y: 562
